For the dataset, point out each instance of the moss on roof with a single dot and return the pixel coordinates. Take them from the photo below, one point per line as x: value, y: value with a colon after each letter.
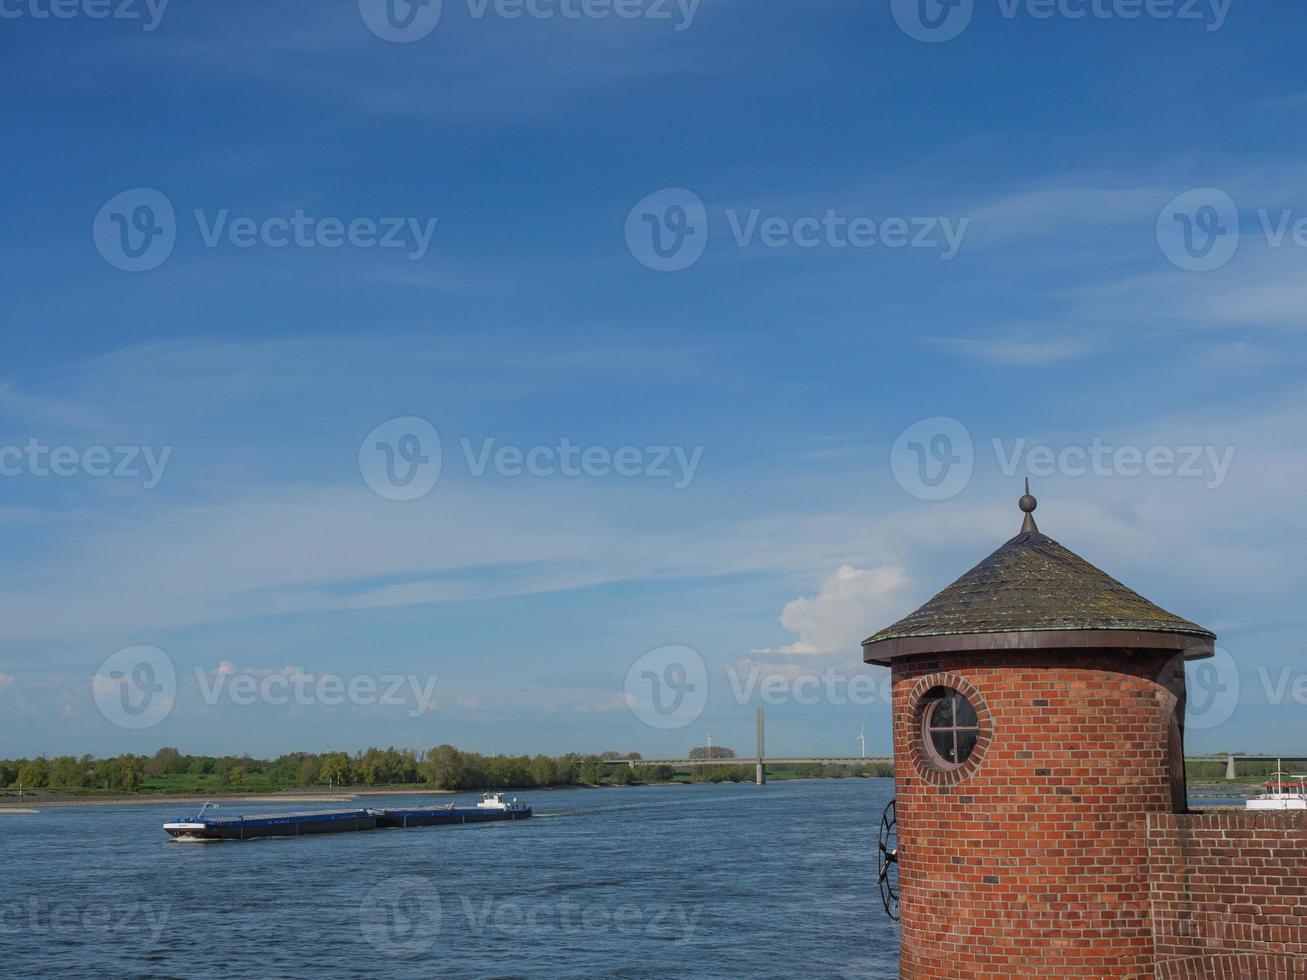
x: 1033, y: 583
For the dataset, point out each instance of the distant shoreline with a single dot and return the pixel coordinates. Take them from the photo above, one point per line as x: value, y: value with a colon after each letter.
x: 30, y: 804
x: 24, y: 804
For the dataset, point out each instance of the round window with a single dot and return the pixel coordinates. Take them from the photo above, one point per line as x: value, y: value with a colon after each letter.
x: 950, y: 727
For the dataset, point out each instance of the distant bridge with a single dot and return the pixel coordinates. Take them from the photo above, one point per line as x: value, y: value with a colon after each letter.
x: 1232, y: 761
x: 853, y: 760
x: 821, y: 760
x: 761, y: 760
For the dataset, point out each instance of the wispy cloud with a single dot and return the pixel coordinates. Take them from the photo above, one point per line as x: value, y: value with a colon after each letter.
x: 1034, y: 352
x: 1069, y: 210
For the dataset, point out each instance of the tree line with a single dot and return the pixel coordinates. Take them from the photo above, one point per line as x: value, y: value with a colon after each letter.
x: 442, y: 767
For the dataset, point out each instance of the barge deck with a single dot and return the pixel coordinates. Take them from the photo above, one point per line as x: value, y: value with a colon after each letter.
x: 491, y: 807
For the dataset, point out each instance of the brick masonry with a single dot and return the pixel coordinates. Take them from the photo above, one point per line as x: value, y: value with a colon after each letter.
x: 1228, y: 894
x: 1056, y: 850
x: 1032, y: 859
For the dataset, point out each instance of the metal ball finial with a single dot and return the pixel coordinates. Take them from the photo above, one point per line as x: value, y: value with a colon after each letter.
x: 1028, y: 504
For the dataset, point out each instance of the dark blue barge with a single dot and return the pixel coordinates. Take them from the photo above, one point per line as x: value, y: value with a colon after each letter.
x: 491, y: 807
x: 432, y: 816
x: 271, y: 825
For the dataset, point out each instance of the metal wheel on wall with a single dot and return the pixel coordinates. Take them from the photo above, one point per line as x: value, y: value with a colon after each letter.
x: 888, y: 858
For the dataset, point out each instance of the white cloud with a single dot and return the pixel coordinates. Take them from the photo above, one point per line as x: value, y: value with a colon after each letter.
x: 850, y: 605
x: 6, y: 680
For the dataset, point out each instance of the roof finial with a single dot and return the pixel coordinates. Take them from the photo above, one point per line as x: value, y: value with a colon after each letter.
x: 1028, y: 505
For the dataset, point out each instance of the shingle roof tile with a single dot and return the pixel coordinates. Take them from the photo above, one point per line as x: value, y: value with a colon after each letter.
x: 1033, y: 583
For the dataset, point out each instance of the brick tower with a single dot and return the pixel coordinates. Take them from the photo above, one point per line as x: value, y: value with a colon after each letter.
x: 1038, y: 719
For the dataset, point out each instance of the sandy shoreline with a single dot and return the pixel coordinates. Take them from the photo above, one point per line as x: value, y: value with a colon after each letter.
x: 26, y: 804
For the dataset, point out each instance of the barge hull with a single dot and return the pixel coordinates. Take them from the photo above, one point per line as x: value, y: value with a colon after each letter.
x: 435, y: 816
x: 491, y: 809
x: 279, y: 825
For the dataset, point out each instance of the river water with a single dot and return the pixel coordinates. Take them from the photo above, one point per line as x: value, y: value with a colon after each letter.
x: 692, y: 881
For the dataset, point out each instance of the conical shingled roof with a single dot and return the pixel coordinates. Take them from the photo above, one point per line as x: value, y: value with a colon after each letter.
x: 1032, y: 583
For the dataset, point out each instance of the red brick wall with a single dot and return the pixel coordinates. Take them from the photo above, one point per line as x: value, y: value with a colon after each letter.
x: 1032, y: 860
x: 1228, y: 894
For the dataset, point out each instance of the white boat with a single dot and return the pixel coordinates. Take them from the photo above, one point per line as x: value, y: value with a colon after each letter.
x: 193, y: 830
x: 496, y: 801
x: 1284, y: 791
x: 188, y: 832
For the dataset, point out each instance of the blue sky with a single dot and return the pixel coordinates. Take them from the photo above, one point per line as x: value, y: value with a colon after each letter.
x: 1069, y: 315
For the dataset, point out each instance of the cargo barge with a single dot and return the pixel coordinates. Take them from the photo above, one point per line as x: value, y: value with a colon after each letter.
x: 271, y: 825
x: 490, y: 807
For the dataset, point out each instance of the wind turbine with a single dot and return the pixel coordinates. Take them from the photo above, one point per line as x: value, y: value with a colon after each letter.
x: 862, y: 737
